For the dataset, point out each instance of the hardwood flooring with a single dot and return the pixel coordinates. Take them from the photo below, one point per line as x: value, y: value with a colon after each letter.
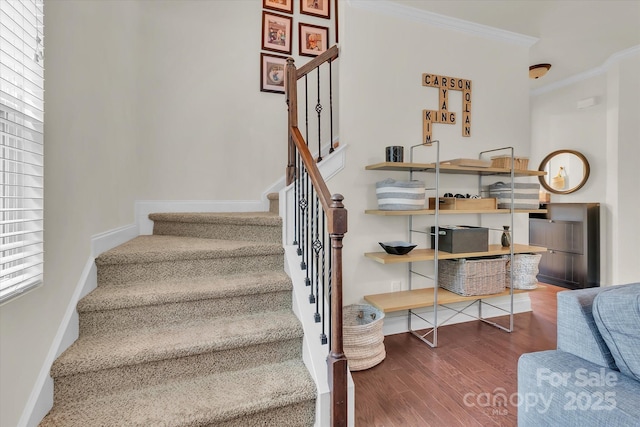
x: 459, y: 383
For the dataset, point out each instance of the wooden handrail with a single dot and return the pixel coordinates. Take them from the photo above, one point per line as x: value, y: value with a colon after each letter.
x: 314, y: 173
x: 336, y: 216
x: 326, y: 56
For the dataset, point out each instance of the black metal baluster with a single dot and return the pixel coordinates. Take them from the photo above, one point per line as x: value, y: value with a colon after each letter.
x: 329, y: 289
x: 296, y: 208
x: 314, y: 265
x: 319, y: 110
x: 323, y: 335
x: 303, y: 213
x: 307, y: 222
x: 330, y: 109
x: 317, y: 246
x: 306, y: 110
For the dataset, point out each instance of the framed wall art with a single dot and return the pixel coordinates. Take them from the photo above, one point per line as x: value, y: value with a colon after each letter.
x: 319, y: 8
x: 272, y: 72
x: 276, y: 32
x: 313, y: 39
x: 285, y: 6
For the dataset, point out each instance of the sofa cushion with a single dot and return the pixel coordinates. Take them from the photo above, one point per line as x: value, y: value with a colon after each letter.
x: 559, y: 389
x: 617, y: 315
x: 577, y: 330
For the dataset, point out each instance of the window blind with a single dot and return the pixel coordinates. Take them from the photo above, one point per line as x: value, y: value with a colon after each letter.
x: 21, y: 134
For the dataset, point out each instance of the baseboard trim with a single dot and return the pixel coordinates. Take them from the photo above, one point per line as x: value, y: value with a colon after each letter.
x: 102, y: 242
x: 41, y: 398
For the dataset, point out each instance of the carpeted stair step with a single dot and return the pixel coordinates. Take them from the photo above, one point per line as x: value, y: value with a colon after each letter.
x: 171, y: 301
x: 153, y: 258
x: 251, y: 226
x: 114, y: 362
x: 274, y: 202
x: 281, y: 394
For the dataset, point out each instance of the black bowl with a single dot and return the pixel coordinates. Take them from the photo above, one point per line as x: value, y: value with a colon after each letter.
x: 397, y: 248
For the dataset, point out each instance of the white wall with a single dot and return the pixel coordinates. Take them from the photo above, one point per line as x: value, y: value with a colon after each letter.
x: 206, y: 129
x: 207, y: 132
x: 381, y: 102
x: 607, y: 134
x: 624, y: 222
x: 91, y: 175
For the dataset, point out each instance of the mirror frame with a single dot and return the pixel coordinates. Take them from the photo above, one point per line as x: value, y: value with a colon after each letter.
x: 585, y: 176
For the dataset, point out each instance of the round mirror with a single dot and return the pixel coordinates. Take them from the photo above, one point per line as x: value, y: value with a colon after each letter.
x: 567, y: 171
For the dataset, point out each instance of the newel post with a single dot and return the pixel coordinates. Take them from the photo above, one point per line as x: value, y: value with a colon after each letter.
x: 337, y: 361
x: 291, y: 90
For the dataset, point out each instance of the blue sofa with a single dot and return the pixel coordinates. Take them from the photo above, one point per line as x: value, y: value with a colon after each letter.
x: 593, y: 378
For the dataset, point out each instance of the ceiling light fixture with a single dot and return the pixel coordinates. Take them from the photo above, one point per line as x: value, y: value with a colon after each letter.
x: 538, y: 70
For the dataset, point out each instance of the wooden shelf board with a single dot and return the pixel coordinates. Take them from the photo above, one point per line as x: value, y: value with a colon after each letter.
x: 418, y: 298
x: 429, y: 254
x: 450, y: 212
x: 444, y: 168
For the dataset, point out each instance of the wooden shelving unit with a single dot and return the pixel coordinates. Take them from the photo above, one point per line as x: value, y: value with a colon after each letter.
x: 436, y: 296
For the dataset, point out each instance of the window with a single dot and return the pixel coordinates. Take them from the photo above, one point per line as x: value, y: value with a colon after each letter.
x: 21, y: 145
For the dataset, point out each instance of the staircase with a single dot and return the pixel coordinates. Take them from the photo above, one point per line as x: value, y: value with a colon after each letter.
x: 191, y: 326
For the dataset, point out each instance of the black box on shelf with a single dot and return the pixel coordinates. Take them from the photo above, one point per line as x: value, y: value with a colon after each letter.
x: 457, y: 239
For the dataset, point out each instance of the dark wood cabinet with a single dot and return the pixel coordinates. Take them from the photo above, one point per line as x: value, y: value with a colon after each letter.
x: 571, y: 234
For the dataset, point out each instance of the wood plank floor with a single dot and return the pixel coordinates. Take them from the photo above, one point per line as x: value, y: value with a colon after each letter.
x: 455, y: 383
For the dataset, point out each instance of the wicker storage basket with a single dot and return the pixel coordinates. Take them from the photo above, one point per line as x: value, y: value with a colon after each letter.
x: 504, y: 162
x: 525, y: 270
x: 362, y: 336
x: 469, y: 277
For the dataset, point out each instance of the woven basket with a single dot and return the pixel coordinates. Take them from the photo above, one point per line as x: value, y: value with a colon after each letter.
x: 504, y: 162
x: 525, y: 270
x: 470, y: 277
x: 362, y: 336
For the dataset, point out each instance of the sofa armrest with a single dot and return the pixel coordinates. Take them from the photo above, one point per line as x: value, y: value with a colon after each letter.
x: 577, y: 331
x: 558, y: 388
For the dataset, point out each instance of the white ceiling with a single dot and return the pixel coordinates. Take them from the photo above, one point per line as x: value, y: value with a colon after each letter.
x: 575, y: 36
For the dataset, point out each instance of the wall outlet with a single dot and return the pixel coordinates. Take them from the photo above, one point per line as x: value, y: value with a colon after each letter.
x: 396, y: 286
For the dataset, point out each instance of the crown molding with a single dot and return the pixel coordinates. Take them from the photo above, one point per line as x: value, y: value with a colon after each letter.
x: 408, y: 13
x: 613, y: 59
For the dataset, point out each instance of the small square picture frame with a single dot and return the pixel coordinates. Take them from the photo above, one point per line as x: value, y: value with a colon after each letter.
x: 272, y: 73
x: 319, y: 8
x: 314, y: 39
x: 276, y: 32
x: 284, y: 6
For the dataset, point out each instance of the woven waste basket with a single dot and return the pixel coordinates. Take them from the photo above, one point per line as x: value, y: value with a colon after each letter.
x: 362, y: 336
x: 525, y: 271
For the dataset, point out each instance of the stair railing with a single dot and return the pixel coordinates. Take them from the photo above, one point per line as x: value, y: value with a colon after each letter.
x: 313, y: 228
